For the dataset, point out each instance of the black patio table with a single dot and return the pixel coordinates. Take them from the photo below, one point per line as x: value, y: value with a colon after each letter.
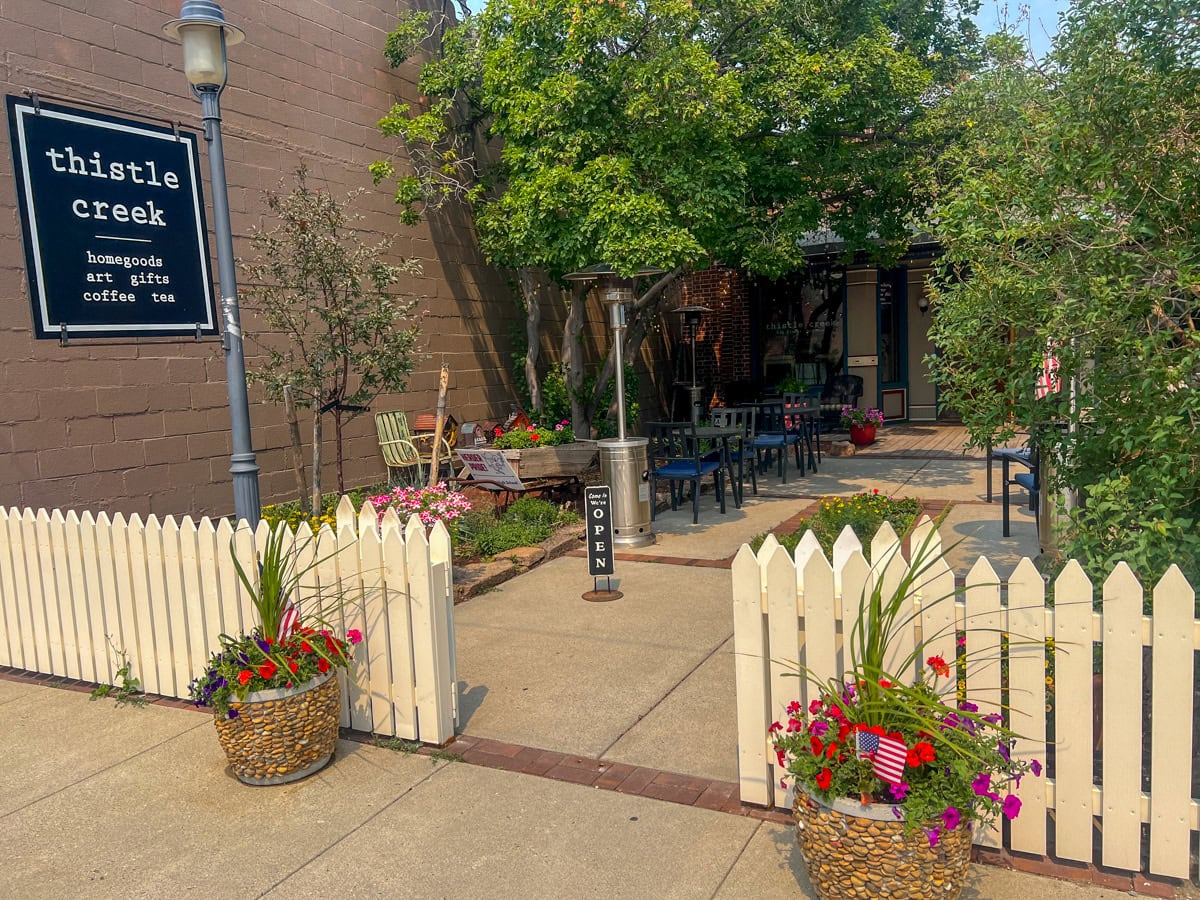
x: 725, y: 435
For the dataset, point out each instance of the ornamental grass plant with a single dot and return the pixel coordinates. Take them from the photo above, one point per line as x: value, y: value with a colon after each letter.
x: 281, y: 650
x: 898, y: 734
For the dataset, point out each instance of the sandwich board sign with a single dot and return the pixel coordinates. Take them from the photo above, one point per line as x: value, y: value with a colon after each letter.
x: 112, y: 214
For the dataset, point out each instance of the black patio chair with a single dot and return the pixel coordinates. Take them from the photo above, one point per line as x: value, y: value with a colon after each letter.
x: 1030, y: 480
x: 743, y: 419
x: 775, y: 434
x: 675, y: 455
x: 804, y: 411
x: 841, y: 390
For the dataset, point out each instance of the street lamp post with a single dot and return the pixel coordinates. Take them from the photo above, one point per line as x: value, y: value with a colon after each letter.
x: 202, y: 30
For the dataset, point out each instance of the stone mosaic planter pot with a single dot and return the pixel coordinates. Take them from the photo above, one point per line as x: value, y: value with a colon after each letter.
x: 862, y: 852
x: 284, y: 734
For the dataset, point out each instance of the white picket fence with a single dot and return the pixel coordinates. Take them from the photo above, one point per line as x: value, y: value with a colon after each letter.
x: 789, y: 610
x: 74, y: 589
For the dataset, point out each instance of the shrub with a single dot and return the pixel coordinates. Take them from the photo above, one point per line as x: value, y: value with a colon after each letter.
x: 534, y: 436
x: 527, y: 521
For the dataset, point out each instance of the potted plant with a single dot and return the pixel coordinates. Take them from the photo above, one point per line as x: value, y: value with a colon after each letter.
x: 862, y: 423
x: 892, y: 770
x: 274, y: 692
x: 538, y: 451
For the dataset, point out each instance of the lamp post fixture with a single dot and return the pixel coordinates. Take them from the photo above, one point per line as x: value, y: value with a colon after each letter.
x: 202, y: 30
x: 691, y: 318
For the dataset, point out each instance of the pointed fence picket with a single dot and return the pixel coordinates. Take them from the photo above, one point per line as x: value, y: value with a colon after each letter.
x: 793, y: 613
x: 78, y: 590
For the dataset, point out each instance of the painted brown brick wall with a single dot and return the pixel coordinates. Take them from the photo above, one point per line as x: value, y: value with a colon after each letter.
x: 725, y: 330
x: 144, y: 426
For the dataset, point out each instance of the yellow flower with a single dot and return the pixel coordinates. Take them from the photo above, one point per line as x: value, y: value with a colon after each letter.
x: 1049, y: 681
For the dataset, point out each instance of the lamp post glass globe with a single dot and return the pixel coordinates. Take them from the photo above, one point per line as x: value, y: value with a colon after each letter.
x: 204, y: 33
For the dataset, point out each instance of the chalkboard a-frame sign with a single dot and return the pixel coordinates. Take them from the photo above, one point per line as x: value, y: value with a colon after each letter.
x: 113, y: 219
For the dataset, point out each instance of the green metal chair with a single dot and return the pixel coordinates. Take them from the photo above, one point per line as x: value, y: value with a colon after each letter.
x: 402, y: 450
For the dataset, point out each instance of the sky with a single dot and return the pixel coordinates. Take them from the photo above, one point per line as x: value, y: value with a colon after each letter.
x: 1043, y: 17
x: 1042, y: 24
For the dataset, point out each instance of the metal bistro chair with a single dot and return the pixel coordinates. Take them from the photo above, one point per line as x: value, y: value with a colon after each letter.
x: 775, y: 435
x: 402, y: 449
x: 805, y: 413
x: 675, y: 456
x: 741, y: 418
x: 1030, y: 480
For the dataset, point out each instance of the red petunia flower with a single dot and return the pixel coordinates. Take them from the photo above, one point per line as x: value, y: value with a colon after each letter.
x: 267, y: 669
x: 938, y: 664
x: 245, y: 675
x: 306, y: 646
x: 818, y: 746
x: 322, y: 665
x: 824, y: 779
x: 925, y: 751
x: 293, y: 667
x: 535, y: 437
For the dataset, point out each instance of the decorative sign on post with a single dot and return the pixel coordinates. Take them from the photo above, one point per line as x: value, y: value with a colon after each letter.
x: 113, y: 218
x: 597, y: 514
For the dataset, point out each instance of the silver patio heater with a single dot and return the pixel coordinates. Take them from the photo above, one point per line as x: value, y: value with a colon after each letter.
x: 624, y: 464
x: 691, y: 320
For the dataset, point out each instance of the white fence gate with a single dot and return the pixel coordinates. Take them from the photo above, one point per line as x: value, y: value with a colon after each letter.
x: 799, y: 609
x: 76, y: 588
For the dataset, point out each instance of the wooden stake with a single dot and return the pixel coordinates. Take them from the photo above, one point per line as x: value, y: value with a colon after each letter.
x: 434, y: 462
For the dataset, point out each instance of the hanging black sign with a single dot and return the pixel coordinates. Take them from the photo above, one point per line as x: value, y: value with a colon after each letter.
x: 113, y: 218
x: 597, y: 505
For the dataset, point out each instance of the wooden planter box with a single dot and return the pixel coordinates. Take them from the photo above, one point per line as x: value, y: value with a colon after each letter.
x: 560, y: 461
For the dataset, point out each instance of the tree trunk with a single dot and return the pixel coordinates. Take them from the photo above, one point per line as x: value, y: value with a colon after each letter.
x: 573, y: 363
x: 337, y: 440
x: 316, y: 481
x: 289, y: 408
x: 533, y: 335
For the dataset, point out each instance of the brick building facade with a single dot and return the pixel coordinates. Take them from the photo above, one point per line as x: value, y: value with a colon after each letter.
x: 144, y: 425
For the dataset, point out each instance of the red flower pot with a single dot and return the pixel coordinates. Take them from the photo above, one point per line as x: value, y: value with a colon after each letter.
x: 862, y: 435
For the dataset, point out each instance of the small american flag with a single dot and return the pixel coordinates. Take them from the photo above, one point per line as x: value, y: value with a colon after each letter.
x: 890, y: 759
x: 288, y: 621
x: 1048, y: 381
x: 868, y: 743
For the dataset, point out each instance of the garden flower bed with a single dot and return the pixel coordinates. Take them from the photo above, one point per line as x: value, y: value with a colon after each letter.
x: 863, y: 512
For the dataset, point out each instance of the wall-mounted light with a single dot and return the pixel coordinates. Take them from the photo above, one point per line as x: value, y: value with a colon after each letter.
x: 923, y: 304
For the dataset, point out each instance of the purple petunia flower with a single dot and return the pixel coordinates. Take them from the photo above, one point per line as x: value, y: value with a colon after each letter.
x: 967, y: 706
x: 951, y: 818
x: 899, y: 791
x: 982, y: 784
x: 1036, y: 768
x: 232, y: 714
x: 262, y: 645
x: 935, y: 835
x: 896, y: 812
x: 1002, y: 749
x: 1012, y: 806
x: 818, y: 728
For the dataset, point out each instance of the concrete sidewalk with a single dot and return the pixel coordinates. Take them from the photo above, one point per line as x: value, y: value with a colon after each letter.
x: 105, y: 802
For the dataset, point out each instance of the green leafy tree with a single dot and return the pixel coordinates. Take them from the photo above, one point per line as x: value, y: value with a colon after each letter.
x: 1070, y: 216
x: 347, y: 333
x: 671, y: 133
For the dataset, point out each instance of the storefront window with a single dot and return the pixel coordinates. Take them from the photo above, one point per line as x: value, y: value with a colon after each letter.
x: 800, y: 327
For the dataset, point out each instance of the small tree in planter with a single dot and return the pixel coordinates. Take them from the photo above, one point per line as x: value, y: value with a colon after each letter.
x: 333, y: 297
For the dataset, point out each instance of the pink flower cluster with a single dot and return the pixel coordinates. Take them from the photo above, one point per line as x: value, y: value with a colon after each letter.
x: 430, y: 504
